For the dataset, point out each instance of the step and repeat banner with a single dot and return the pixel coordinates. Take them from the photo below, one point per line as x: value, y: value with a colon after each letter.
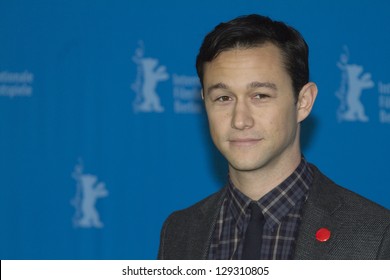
x: 103, y: 132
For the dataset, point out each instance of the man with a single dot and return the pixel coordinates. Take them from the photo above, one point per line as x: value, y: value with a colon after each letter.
x: 255, y: 85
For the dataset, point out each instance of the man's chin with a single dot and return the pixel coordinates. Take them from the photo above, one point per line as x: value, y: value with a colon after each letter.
x: 245, y: 167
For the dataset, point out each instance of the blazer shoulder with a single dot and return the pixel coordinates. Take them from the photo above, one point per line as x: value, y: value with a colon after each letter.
x: 328, y: 194
x: 205, y: 206
x: 186, y: 233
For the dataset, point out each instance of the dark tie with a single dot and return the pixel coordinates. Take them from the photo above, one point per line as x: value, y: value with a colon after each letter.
x: 253, y: 234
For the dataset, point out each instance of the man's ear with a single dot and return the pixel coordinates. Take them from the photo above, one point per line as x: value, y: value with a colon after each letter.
x: 202, y: 93
x: 306, y: 99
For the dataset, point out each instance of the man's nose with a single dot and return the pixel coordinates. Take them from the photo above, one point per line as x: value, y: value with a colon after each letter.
x: 242, y: 116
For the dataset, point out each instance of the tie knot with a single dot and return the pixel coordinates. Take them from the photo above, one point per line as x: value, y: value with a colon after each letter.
x: 255, y: 210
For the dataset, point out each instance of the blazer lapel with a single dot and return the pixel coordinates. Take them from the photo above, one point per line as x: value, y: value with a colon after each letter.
x: 313, y: 220
x: 320, y: 212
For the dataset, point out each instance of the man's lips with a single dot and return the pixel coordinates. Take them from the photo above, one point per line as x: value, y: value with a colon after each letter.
x: 244, y: 142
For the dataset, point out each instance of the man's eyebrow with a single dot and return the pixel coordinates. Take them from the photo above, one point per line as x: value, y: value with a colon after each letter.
x: 217, y: 86
x: 269, y: 85
x: 252, y: 85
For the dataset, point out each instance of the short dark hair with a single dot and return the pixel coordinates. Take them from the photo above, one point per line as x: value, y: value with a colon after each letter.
x: 253, y: 31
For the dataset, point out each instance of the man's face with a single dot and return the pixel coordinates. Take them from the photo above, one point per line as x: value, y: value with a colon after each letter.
x: 253, y: 116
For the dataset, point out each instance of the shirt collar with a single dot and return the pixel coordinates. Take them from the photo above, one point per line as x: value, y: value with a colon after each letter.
x: 277, y: 203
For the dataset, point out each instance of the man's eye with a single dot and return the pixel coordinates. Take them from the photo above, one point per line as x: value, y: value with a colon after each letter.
x: 223, y: 99
x: 261, y: 96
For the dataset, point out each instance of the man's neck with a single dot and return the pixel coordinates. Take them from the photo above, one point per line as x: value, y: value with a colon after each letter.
x: 256, y: 183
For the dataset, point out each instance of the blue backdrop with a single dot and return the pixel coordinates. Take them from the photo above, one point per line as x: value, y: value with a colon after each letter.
x: 103, y: 132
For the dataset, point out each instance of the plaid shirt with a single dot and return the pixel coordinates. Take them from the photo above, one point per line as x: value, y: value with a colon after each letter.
x: 281, y: 208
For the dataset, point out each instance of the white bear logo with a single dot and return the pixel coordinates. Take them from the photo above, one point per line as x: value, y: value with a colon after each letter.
x: 88, y: 191
x: 149, y: 74
x: 353, y: 82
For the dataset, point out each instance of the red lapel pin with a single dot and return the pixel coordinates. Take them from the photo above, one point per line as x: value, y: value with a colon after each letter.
x: 323, y: 234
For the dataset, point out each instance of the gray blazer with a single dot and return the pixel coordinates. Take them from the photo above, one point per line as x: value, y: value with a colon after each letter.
x: 360, y: 229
